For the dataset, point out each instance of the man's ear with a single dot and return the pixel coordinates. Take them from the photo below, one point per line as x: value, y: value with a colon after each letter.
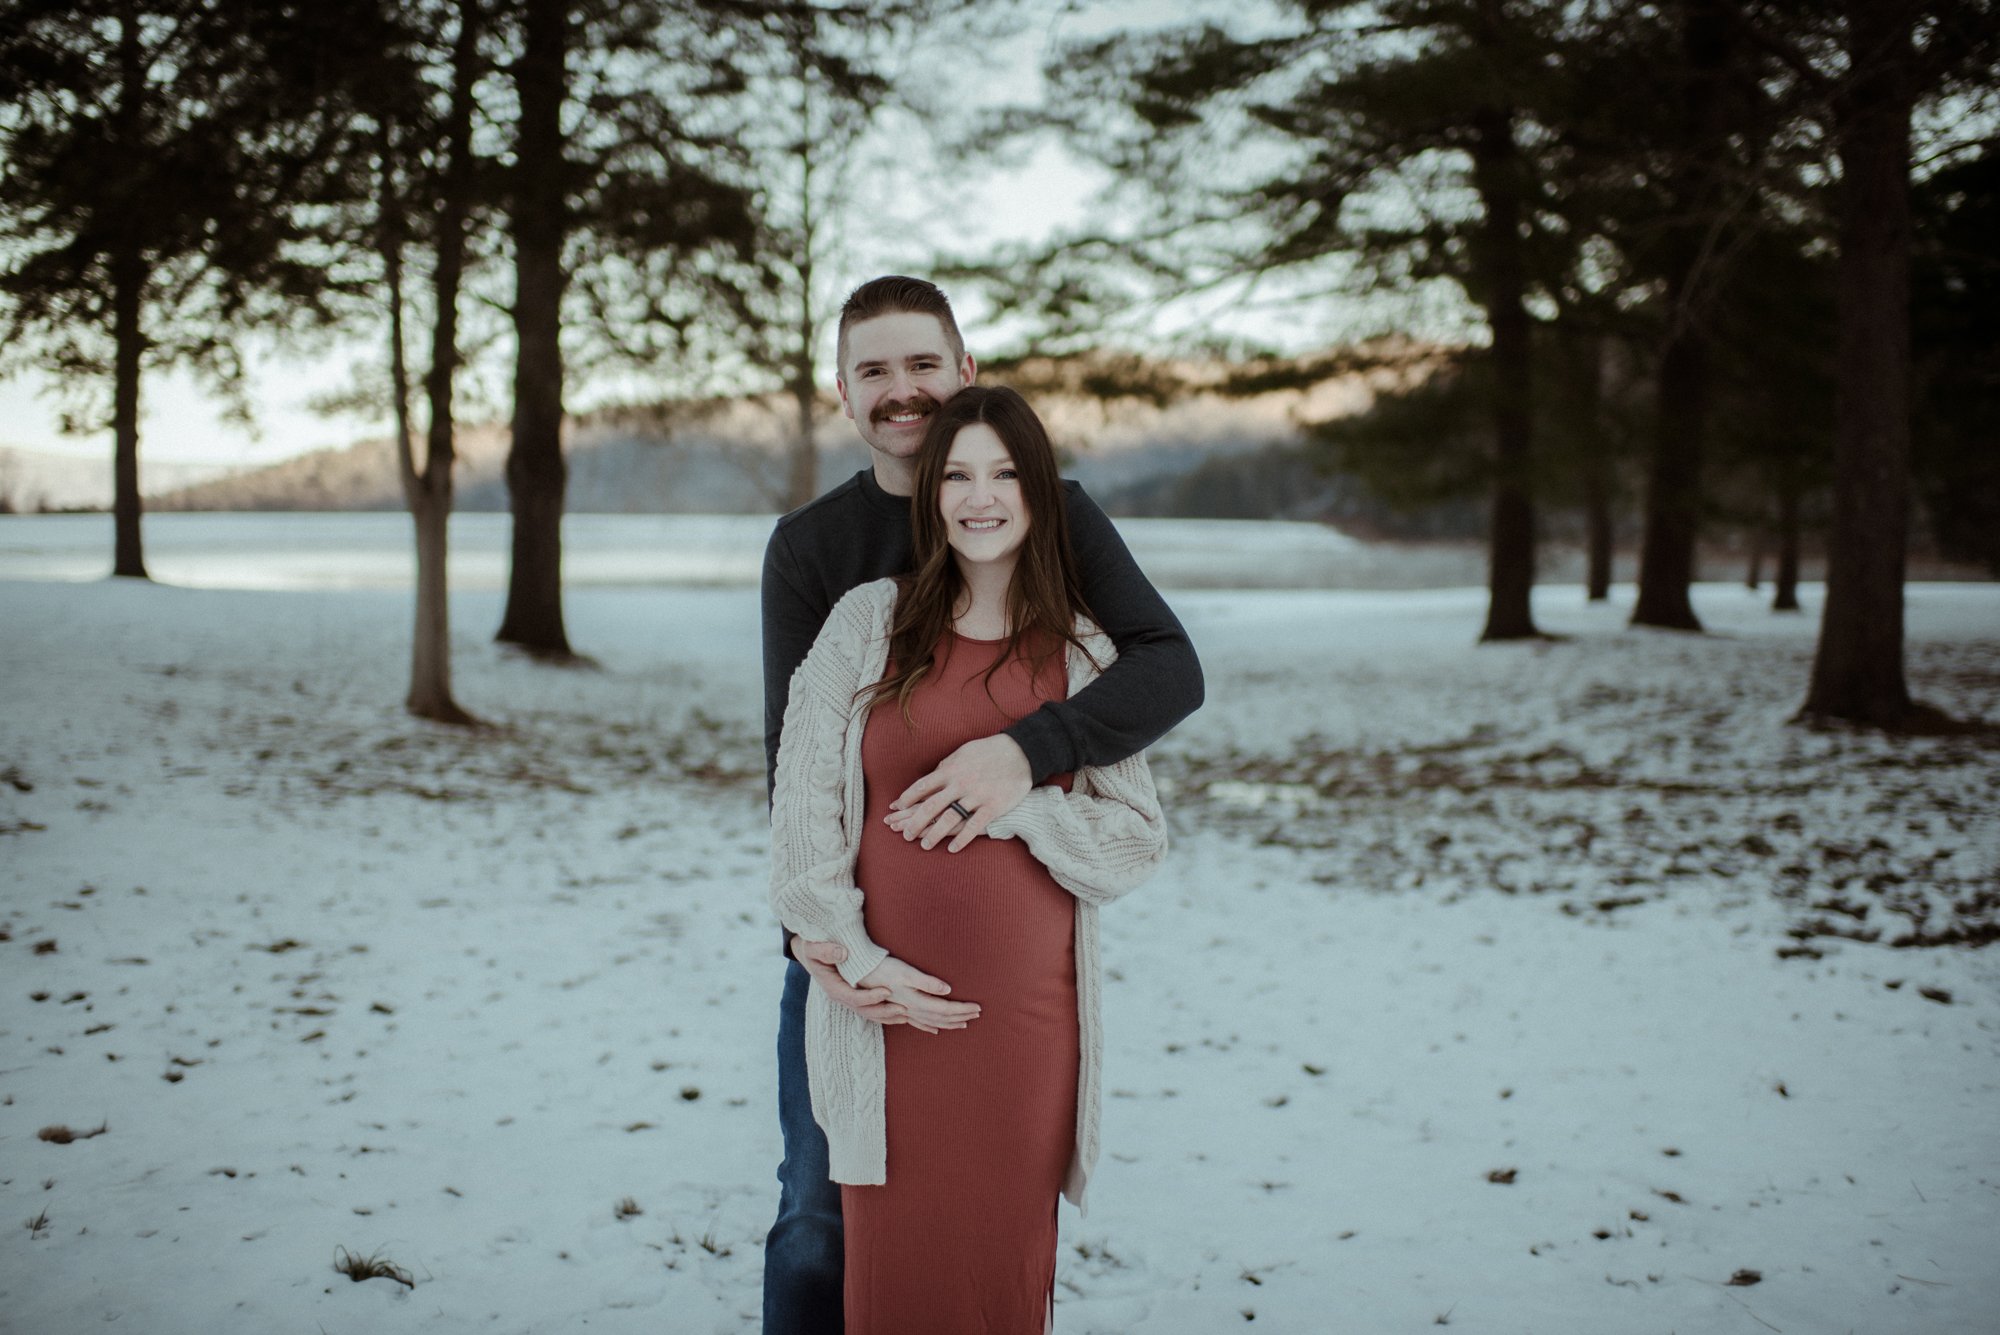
x: 971, y: 371
x: 840, y: 384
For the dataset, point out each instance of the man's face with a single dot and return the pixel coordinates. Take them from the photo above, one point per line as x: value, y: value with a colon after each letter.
x: 899, y: 369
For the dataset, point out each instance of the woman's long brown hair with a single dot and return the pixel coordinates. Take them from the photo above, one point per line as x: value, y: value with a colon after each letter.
x: 1044, y: 598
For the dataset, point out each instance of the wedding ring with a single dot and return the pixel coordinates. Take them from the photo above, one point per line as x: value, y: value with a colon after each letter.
x: 959, y: 807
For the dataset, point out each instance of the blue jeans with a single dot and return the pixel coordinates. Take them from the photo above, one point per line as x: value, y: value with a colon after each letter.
x: 803, y: 1256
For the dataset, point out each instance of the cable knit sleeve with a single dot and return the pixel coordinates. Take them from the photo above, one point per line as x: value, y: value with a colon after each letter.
x: 813, y: 836
x: 1107, y: 834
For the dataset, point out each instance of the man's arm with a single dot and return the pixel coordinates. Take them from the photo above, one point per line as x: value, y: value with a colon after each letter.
x: 791, y: 622
x: 1155, y: 683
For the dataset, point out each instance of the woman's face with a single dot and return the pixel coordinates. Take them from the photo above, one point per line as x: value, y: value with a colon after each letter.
x: 985, y: 516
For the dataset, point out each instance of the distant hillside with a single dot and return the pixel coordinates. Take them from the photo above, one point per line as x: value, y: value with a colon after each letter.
x: 729, y: 458
x: 35, y: 480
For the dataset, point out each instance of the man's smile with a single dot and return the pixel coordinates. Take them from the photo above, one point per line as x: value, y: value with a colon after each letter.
x: 905, y: 413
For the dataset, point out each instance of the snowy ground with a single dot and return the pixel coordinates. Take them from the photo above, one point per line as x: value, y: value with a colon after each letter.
x: 372, y: 551
x: 1581, y: 917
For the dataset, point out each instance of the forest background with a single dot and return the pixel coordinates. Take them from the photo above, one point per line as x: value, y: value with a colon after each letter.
x: 1699, y: 264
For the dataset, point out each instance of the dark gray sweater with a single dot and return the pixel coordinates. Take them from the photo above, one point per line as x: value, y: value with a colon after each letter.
x: 858, y: 532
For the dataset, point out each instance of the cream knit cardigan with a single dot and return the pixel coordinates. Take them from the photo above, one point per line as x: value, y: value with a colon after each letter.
x: 1098, y: 840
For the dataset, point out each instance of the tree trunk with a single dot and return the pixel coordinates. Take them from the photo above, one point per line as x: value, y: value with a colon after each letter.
x: 1785, y: 588
x: 537, y: 475
x: 128, y: 285
x: 1857, y: 672
x: 1673, y: 487
x: 1497, y: 171
x: 802, y: 482
x: 1753, y: 574
x: 430, y: 659
x: 1673, y: 483
x: 1583, y: 373
x: 430, y: 694
x: 1598, y: 532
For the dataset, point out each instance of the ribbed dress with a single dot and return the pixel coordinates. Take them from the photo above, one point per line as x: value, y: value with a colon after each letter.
x: 981, y: 1121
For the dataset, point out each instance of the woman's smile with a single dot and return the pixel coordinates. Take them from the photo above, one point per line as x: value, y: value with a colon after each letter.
x: 980, y: 498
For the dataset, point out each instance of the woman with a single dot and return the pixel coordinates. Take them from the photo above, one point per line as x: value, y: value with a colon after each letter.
x: 951, y: 1149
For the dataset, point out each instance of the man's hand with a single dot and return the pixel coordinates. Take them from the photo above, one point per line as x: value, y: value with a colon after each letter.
x: 921, y: 997
x: 870, y: 1003
x: 988, y: 778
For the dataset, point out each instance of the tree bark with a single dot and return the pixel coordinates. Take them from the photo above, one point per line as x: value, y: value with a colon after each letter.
x: 128, y: 286
x: 1785, y: 588
x: 1583, y: 372
x: 430, y: 693
x: 1497, y: 171
x: 802, y: 481
x: 1857, y: 672
x: 1673, y: 483
x: 537, y: 474
x: 1673, y: 487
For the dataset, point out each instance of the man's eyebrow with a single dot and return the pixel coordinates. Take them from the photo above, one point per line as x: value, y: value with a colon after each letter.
x: 913, y: 357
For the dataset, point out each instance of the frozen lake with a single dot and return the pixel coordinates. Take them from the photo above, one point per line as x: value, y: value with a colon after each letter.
x: 375, y: 551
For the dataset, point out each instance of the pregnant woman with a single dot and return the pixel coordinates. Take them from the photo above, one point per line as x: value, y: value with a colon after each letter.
x: 952, y: 1147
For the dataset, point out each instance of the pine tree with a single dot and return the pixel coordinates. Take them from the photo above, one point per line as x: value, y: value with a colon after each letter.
x: 151, y: 154
x: 1379, y: 147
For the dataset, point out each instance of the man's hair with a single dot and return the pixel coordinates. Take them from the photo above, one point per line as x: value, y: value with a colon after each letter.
x: 897, y: 295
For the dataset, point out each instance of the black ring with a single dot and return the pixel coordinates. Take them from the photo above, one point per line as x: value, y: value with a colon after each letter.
x: 959, y: 807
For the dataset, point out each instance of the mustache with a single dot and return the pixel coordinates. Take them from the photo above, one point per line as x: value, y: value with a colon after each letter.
x: 921, y: 403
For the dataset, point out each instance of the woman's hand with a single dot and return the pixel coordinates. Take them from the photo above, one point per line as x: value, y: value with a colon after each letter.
x: 920, y: 996
x: 820, y: 959
x: 987, y: 776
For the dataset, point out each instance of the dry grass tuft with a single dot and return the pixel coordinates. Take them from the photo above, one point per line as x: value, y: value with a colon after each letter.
x: 358, y: 1267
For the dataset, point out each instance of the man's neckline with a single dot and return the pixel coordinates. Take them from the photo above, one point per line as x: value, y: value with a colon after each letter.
x: 879, y: 496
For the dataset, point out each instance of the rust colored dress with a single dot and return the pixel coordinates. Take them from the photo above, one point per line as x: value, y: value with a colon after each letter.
x: 961, y: 1237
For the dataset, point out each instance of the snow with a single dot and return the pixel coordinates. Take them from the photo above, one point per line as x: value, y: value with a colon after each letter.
x: 373, y: 551
x: 333, y: 979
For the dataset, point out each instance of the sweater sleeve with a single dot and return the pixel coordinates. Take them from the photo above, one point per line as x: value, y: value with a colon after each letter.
x: 812, y: 851
x: 1099, y: 840
x: 1155, y: 683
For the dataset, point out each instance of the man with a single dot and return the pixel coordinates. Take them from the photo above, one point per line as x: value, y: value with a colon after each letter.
x: 900, y: 356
